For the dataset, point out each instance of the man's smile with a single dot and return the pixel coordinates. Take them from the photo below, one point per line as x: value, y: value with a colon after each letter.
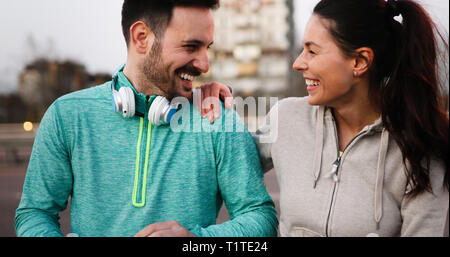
x: 187, y: 75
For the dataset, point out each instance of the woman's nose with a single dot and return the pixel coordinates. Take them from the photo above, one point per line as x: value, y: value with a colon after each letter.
x: 300, y: 64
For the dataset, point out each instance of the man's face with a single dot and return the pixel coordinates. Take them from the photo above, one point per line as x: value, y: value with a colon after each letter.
x: 181, y: 55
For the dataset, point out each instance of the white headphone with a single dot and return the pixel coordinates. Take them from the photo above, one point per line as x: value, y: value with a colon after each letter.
x: 161, y: 110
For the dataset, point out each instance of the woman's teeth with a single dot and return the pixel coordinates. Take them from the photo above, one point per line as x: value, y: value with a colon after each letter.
x: 186, y: 77
x: 312, y: 83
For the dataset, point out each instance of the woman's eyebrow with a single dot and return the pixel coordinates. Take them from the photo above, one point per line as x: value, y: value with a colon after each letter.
x: 309, y: 43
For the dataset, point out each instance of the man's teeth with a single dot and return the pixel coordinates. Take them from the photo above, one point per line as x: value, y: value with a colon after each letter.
x: 311, y: 83
x: 187, y: 77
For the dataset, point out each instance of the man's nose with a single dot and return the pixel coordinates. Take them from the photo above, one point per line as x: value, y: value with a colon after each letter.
x: 201, y: 62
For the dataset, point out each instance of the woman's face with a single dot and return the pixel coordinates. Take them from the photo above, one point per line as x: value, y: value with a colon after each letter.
x: 327, y: 72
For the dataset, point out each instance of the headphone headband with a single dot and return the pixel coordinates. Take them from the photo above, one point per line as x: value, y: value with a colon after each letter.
x: 160, y: 112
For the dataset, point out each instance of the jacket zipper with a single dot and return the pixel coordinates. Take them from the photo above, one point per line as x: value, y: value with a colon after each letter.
x: 141, y: 169
x: 335, y: 170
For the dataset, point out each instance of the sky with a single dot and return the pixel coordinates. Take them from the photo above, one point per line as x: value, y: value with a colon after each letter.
x: 89, y: 31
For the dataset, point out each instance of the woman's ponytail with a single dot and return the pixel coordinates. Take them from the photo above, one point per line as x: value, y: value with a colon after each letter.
x: 411, y: 100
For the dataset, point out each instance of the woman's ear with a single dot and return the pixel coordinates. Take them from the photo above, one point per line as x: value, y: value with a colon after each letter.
x: 141, y: 37
x: 363, y: 61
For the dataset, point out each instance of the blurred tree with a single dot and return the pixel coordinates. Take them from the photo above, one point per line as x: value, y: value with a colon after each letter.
x: 12, y: 109
x: 40, y: 84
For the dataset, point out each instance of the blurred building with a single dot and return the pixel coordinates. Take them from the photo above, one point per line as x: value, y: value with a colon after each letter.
x: 43, y: 81
x: 254, y: 47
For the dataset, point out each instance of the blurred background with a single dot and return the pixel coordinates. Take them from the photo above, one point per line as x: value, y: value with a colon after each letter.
x: 51, y: 47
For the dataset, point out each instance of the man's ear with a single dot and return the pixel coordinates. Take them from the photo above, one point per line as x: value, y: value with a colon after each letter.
x: 363, y: 60
x: 141, y: 37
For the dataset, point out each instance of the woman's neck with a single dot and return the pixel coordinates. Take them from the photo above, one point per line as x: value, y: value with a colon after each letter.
x: 354, y: 118
x: 351, y: 117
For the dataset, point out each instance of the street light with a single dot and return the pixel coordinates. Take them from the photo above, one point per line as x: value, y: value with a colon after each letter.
x: 28, y: 126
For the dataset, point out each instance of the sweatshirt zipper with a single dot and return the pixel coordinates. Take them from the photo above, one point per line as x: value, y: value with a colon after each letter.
x: 141, y: 168
x: 335, y: 171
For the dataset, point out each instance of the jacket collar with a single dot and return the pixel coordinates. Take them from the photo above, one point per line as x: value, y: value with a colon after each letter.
x: 140, y: 99
x: 376, y: 127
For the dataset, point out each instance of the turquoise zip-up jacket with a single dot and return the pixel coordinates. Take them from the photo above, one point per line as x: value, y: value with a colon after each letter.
x: 125, y: 174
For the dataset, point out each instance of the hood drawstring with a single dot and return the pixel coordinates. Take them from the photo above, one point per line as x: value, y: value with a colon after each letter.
x: 380, y: 176
x: 318, y: 144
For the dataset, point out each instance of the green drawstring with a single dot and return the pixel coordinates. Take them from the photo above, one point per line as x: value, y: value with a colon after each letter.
x: 138, y: 158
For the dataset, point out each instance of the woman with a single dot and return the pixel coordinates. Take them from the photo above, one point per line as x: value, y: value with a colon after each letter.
x: 366, y: 153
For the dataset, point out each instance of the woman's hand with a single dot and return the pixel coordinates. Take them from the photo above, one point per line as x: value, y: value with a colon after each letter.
x: 207, y: 99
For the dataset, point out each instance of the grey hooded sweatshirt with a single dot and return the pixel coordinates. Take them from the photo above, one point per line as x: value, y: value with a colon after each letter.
x: 359, y: 193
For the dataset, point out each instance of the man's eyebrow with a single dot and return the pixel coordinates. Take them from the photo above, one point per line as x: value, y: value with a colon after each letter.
x: 309, y: 43
x: 197, y: 42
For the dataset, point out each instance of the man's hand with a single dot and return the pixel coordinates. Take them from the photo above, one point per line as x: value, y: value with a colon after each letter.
x: 165, y: 229
x: 207, y: 99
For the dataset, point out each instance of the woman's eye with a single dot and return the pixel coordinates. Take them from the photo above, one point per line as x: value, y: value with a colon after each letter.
x: 191, y: 47
x: 311, y: 52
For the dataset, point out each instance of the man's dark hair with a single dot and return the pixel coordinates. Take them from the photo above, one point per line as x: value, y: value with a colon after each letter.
x: 156, y: 14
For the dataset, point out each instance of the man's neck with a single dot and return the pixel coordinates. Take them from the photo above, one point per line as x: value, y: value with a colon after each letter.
x: 138, y: 81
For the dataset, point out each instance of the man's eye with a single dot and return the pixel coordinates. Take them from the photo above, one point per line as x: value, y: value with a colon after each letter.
x: 311, y: 52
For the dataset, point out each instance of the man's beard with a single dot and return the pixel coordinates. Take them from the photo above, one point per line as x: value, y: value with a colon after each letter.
x: 156, y: 73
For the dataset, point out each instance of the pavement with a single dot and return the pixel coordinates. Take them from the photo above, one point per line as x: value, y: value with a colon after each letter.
x: 11, y: 184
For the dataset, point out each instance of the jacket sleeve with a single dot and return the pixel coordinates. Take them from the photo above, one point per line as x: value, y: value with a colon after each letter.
x: 427, y: 214
x: 240, y: 179
x: 48, y: 183
x: 265, y: 136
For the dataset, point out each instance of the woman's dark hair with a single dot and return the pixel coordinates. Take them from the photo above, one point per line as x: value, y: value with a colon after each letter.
x: 404, y: 76
x: 157, y: 14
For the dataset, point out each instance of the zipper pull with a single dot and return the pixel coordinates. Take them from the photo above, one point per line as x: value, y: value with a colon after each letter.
x: 334, y: 171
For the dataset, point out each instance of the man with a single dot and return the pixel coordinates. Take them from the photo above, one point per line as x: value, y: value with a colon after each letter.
x: 126, y: 176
